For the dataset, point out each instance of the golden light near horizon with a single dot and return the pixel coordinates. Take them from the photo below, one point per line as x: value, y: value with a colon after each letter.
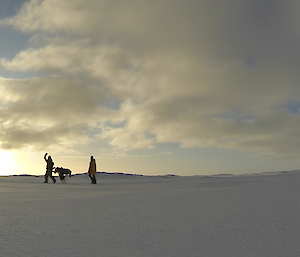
x: 8, y: 164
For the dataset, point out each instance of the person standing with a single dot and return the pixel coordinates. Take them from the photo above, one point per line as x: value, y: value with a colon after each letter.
x: 49, y: 168
x: 92, y: 170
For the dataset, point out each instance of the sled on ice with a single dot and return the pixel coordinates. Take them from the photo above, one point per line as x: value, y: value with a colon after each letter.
x: 63, y: 173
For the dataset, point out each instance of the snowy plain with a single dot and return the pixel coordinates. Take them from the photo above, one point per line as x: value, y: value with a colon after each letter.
x: 140, y: 216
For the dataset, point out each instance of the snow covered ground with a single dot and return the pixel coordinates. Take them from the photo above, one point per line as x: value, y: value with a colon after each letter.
x: 134, y: 216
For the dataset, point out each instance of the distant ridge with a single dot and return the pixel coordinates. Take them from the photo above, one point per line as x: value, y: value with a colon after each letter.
x: 101, y: 174
x: 127, y: 175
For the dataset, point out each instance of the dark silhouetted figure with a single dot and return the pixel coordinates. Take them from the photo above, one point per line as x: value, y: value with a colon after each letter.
x: 93, y: 170
x: 49, y: 168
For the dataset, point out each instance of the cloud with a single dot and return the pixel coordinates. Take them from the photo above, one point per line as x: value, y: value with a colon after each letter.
x: 139, y: 73
x: 166, y: 153
x: 44, y: 112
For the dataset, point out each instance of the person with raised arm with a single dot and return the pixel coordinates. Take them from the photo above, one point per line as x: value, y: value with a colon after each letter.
x: 49, y: 168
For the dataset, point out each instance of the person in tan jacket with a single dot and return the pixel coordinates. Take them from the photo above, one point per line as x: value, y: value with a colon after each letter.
x: 92, y: 170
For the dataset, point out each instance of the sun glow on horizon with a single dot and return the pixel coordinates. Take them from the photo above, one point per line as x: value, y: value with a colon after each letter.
x: 8, y: 165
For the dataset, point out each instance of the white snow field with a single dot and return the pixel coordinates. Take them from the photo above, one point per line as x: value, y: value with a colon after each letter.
x: 138, y: 216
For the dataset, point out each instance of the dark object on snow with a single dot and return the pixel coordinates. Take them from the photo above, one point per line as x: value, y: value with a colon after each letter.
x: 62, y: 172
x: 49, y: 168
x: 92, y: 170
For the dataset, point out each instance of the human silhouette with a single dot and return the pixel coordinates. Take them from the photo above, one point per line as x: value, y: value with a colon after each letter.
x: 49, y: 168
x: 92, y: 170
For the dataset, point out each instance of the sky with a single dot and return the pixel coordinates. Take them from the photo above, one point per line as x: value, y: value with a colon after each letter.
x: 186, y: 87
